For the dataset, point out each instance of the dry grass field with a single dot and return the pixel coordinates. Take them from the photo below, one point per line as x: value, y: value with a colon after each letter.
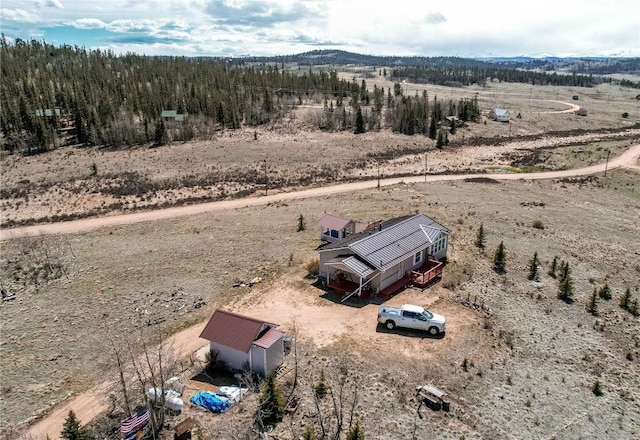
x: 531, y: 364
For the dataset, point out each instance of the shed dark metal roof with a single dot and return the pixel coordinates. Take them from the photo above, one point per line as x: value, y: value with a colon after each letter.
x: 333, y: 222
x: 233, y: 330
x: 269, y: 338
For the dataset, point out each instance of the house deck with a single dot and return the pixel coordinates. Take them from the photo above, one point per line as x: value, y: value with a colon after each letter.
x: 394, y: 288
x: 428, y: 272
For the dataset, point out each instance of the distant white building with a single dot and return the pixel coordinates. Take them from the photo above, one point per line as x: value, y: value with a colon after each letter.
x: 500, y: 115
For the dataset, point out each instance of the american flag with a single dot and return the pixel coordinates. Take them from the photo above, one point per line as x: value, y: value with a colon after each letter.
x: 134, y: 423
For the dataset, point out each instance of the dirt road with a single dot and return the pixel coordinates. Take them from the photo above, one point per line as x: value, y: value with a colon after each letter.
x: 572, y: 107
x: 629, y: 159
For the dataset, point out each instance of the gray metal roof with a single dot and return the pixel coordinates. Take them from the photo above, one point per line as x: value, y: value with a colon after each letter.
x: 393, y: 241
x: 500, y: 111
x: 352, y: 264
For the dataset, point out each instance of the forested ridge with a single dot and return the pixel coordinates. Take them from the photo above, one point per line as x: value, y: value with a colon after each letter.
x: 59, y: 95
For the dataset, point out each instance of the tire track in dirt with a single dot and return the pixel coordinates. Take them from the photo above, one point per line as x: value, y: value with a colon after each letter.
x: 628, y: 159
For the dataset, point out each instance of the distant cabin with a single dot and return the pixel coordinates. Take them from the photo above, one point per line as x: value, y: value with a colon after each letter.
x: 500, y: 115
x: 173, y: 115
x: 581, y: 111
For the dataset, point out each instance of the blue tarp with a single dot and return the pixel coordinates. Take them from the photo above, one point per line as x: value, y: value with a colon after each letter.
x: 209, y: 401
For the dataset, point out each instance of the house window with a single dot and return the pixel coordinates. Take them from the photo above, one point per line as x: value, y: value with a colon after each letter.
x: 417, y: 258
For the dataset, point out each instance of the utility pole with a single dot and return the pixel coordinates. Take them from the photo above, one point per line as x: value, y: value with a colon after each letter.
x: 266, y: 179
x: 425, y: 167
x: 606, y: 165
x: 378, y: 162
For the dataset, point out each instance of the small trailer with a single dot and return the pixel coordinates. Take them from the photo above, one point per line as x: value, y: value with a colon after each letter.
x: 432, y: 397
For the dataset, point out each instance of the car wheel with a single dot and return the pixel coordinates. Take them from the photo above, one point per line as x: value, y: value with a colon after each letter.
x: 390, y: 325
x: 433, y: 331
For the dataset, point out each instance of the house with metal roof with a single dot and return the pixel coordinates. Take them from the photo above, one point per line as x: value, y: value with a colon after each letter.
x: 244, y: 343
x: 385, y: 256
x: 500, y: 115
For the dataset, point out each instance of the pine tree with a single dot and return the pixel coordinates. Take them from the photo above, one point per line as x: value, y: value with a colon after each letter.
x: 440, y: 141
x: 533, y: 268
x: 433, y: 128
x: 633, y: 308
x: 73, y: 430
x: 160, y: 137
x: 625, y: 299
x: 453, y: 127
x: 500, y: 259
x: 565, y: 284
x: 480, y: 239
x: 592, y: 304
x: 359, y: 121
x: 271, y: 402
x: 553, y: 268
x: 561, y: 270
x: 605, y: 292
x: 356, y: 432
x: 321, y: 387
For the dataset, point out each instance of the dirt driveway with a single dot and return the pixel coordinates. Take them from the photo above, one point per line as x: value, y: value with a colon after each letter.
x: 318, y: 320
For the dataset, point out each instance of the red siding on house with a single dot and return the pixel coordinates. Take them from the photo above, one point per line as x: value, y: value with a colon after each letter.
x: 232, y: 330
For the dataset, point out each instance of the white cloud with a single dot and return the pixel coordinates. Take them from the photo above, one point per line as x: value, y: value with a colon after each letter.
x: 19, y: 15
x: 49, y: 4
x: 87, y: 23
x: 400, y: 27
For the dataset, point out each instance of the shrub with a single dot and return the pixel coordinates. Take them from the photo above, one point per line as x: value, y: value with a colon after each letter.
x: 301, y: 223
x: 538, y: 224
x: 456, y: 274
x: 465, y: 364
x: 596, y: 388
x: 356, y: 432
x: 533, y: 268
x: 308, y: 434
x: 480, y: 237
x: 313, y: 267
x: 213, y: 364
x: 625, y: 115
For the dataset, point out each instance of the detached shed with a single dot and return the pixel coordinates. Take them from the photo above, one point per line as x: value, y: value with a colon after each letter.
x: 334, y: 228
x: 500, y: 115
x: 242, y: 342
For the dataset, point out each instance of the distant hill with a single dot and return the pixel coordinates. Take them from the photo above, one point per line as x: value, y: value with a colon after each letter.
x: 584, y: 65
x: 341, y: 57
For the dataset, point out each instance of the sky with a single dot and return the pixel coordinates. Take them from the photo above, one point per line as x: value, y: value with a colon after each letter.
x: 465, y: 28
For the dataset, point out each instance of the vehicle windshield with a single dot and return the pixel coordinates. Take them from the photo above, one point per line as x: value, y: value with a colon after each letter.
x: 427, y: 314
